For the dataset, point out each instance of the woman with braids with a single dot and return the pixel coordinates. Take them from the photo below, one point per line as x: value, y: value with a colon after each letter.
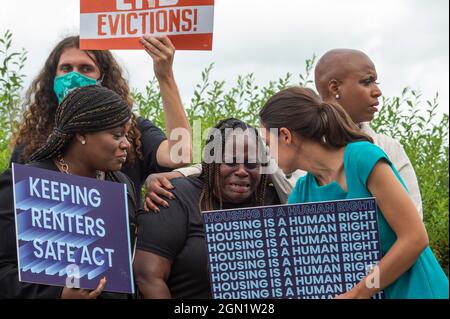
x: 343, y: 76
x: 88, y: 139
x: 171, y: 255
x: 342, y: 163
x: 68, y: 67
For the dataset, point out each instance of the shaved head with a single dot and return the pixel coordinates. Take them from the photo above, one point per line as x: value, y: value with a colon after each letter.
x: 336, y: 65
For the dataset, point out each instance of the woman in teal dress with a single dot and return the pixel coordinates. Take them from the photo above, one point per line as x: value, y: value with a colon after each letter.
x: 342, y: 163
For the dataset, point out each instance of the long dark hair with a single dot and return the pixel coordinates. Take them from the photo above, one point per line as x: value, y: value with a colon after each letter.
x: 41, y: 102
x: 211, y: 171
x: 302, y: 111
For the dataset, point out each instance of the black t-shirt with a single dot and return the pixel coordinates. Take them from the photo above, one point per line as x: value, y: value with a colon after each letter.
x: 151, y: 139
x: 177, y: 233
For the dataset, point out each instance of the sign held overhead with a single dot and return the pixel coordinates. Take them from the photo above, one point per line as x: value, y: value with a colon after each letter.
x: 118, y: 24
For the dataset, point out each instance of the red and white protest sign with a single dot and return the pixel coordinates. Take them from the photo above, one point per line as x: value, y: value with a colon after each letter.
x: 118, y: 24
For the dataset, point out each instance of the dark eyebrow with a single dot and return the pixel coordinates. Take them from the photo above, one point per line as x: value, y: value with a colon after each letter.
x: 87, y: 65
x: 368, y: 77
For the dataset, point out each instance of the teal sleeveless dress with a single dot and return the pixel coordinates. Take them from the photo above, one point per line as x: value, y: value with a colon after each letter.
x: 425, y: 279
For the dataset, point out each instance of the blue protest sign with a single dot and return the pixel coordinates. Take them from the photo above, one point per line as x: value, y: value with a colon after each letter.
x: 71, y: 231
x: 313, y: 250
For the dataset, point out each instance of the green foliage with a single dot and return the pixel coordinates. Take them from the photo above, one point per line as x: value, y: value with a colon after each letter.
x: 422, y: 132
x: 11, y: 83
x: 148, y: 104
x: 424, y: 137
x: 211, y: 102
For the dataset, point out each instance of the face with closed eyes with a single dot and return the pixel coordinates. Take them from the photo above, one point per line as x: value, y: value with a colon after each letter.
x: 240, y: 173
x: 358, y: 90
x: 76, y: 60
x: 282, y: 148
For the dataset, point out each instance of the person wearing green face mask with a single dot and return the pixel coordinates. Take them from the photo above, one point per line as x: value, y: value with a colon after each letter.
x: 67, y: 82
x: 68, y: 67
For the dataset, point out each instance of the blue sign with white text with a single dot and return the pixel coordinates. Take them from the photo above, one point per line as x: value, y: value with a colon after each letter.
x: 71, y: 230
x: 301, y: 251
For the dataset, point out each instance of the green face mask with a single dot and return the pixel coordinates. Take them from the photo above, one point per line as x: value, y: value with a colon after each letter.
x: 63, y: 84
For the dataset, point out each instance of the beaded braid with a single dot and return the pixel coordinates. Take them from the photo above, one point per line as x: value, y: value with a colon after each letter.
x: 217, y: 187
x: 87, y: 109
x: 261, y: 190
x: 205, y: 202
x: 211, y: 172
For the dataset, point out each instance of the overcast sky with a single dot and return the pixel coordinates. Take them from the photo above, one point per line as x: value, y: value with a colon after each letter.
x: 408, y: 40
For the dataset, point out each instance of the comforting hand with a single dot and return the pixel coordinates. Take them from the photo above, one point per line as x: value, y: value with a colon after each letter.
x: 74, y: 293
x: 162, y: 51
x: 158, y: 185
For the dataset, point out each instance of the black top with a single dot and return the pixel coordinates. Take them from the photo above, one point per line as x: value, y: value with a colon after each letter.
x: 177, y: 233
x: 10, y: 287
x: 151, y: 139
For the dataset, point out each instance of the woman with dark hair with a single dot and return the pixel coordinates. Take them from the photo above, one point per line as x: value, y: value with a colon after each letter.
x: 342, y: 163
x: 171, y: 255
x: 88, y: 139
x: 68, y: 67
x: 344, y: 76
